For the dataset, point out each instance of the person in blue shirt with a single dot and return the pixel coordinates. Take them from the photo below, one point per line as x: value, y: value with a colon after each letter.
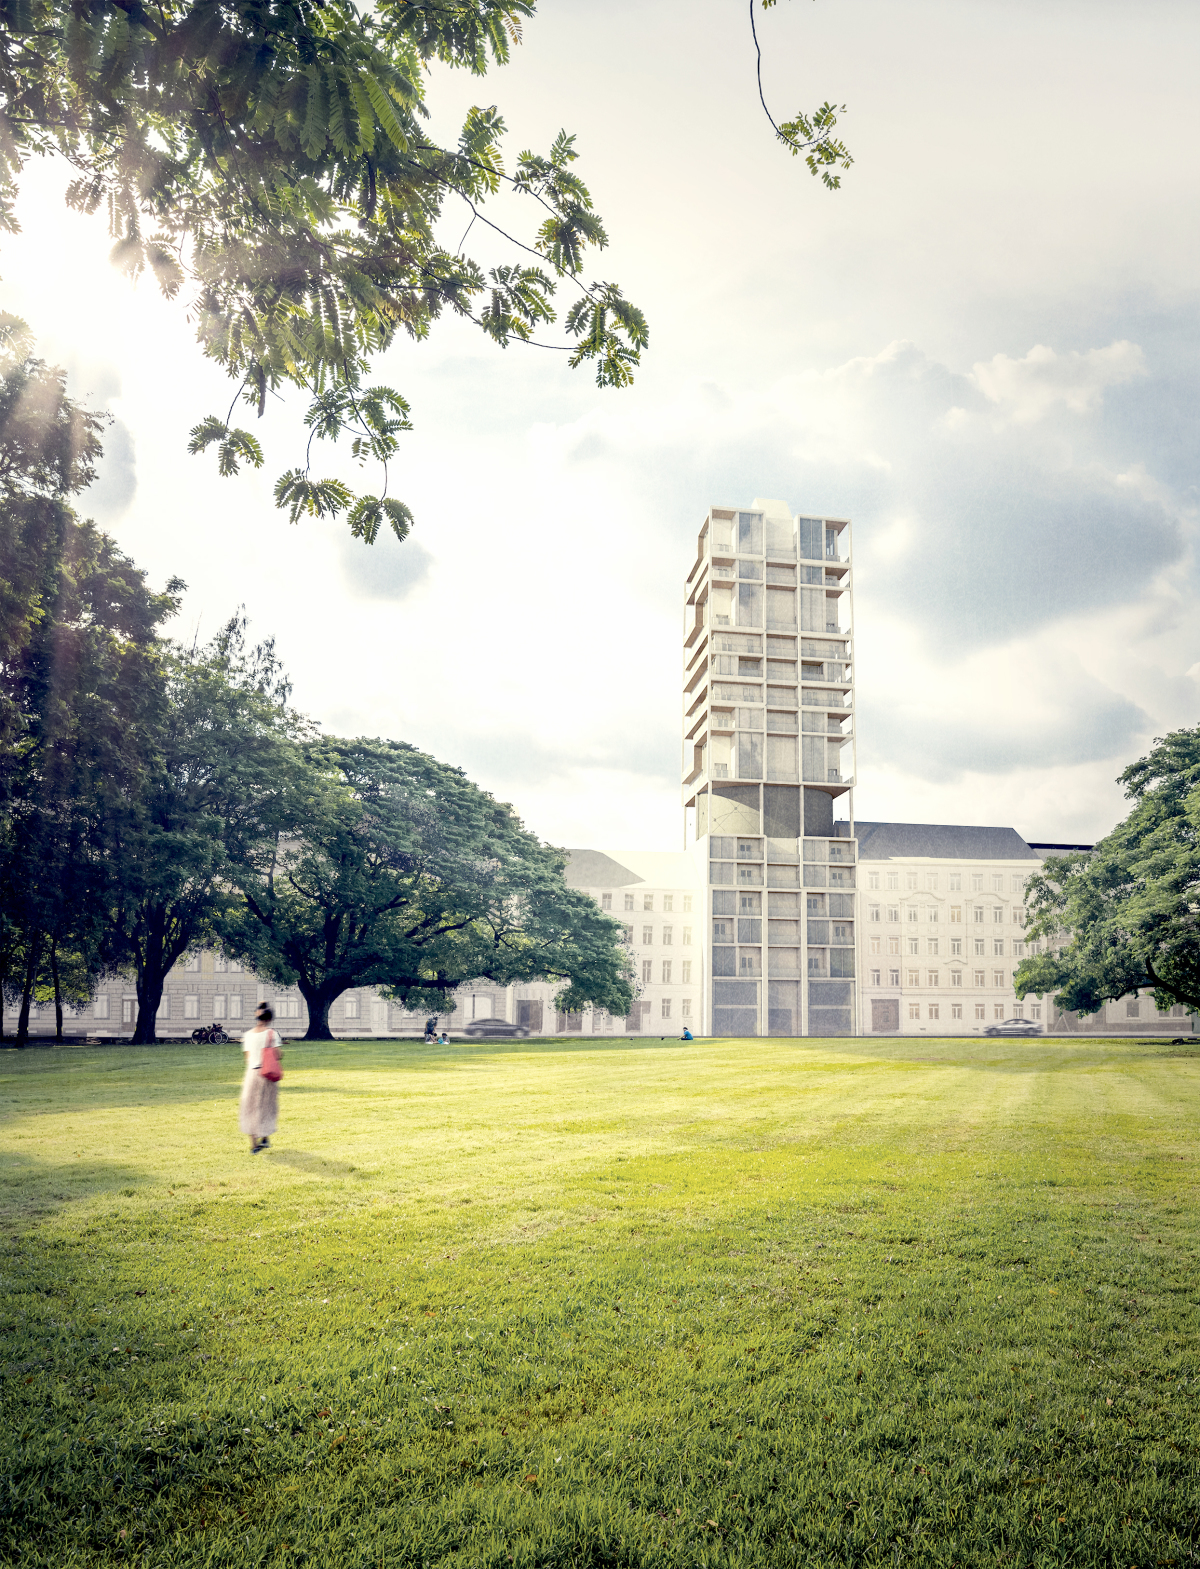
x: 687, y: 1034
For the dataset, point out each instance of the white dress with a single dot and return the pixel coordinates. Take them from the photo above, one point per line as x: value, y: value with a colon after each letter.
x: 258, y: 1113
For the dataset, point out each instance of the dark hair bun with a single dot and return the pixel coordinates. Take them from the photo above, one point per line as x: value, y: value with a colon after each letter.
x: 264, y: 1013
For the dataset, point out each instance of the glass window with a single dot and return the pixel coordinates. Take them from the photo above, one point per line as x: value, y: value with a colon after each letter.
x: 647, y: 936
x: 956, y: 977
x: 220, y: 1006
x: 668, y: 903
x: 685, y: 1007
x: 956, y: 1010
x: 872, y: 879
x: 100, y: 1007
x: 980, y: 1011
x: 666, y: 972
x: 874, y: 977
x: 955, y: 882
x: 914, y: 1010
x: 629, y: 901
x: 647, y: 972
x: 666, y: 1007
x: 893, y: 879
x: 893, y: 977
x: 686, y: 976
x: 934, y: 1010
x: 750, y: 534
x: 668, y: 936
x: 749, y: 605
x: 687, y: 904
x: 750, y: 570
x: 687, y: 936
x: 606, y: 901
x: 191, y: 1007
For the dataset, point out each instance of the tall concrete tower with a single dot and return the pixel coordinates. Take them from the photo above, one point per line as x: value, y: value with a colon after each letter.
x: 768, y: 769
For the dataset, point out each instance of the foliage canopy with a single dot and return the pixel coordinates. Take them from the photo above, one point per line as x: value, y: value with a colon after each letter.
x: 270, y: 159
x: 1130, y: 908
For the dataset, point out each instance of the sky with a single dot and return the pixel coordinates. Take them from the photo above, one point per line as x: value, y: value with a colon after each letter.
x: 982, y: 349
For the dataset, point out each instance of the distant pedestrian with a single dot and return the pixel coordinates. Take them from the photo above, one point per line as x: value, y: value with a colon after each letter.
x: 430, y: 1031
x: 258, y: 1113
x: 687, y: 1034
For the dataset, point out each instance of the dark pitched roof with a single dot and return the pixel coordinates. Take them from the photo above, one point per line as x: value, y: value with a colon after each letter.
x: 594, y: 869
x: 948, y: 841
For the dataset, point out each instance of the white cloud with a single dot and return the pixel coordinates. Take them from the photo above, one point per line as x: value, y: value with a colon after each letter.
x: 1028, y: 388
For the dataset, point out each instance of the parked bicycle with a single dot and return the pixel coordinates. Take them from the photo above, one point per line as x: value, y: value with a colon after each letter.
x: 210, y: 1035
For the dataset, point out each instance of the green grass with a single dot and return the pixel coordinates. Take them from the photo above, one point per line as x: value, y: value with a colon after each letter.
x: 604, y: 1303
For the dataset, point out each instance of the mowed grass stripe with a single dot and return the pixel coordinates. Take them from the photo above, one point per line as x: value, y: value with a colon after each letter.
x: 740, y: 1302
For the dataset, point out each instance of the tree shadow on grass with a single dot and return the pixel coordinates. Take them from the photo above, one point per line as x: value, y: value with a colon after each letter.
x: 32, y: 1190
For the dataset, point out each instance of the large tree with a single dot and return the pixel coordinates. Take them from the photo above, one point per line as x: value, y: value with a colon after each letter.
x: 1125, y: 916
x: 79, y: 670
x: 396, y: 871
x: 221, y: 756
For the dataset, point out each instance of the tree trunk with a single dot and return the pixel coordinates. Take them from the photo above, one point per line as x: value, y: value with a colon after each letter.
x: 31, y: 967
x: 57, y: 992
x: 149, y: 993
x: 319, y: 1000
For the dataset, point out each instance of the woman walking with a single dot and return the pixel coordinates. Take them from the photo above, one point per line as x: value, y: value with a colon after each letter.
x: 258, y: 1113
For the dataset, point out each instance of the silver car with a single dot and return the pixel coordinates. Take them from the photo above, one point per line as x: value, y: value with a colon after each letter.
x: 1014, y: 1027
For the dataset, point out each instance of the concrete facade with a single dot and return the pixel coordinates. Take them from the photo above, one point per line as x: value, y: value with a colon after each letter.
x: 768, y: 768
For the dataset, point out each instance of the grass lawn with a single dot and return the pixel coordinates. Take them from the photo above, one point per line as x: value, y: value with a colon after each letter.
x: 604, y: 1303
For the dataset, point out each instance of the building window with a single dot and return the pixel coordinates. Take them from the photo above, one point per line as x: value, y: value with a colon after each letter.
x: 893, y: 879
x: 997, y: 947
x: 914, y: 946
x: 911, y: 914
x: 1018, y: 884
x: 931, y: 881
x: 956, y: 946
x: 647, y: 901
x: 931, y: 914
x: 955, y: 882
x: 647, y: 968
x: 872, y: 879
x: 980, y: 1011
x: 956, y: 1010
x: 666, y: 1007
x: 956, y: 915
x: 191, y: 961
x: 606, y: 901
x: 668, y: 936
x: 629, y: 901
x: 1019, y: 915
x: 220, y: 963
x: 1133, y: 1008
x: 874, y: 977
x: 687, y: 904
x: 876, y: 944
x: 893, y: 977
x: 686, y: 972
x: 100, y: 1007
x: 914, y: 1010
x: 1018, y: 1010
x: 894, y: 945
x: 668, y: 903
x: 911, y: 879
x: 935, y: 1010
x: 893, y: 914
x: 998, y: 1010
x: 1035, y: 1011
x: 997, y: 915
x: 236, y: 967
x: 350, y: 1007
x: 980, y: 978
x: 647, y: 936
x: 956, y: 977
x: 978, y: 914
x: 666, y: 972
x: 235, y: 1005
x: 931, y: 946
x: 128, y: 1005
x: 685, y: 1007
x: 191, y: 1007
x: 220, y: 1006
x: 976, y: 882
x: 997, y: 977
x: 875, y: 913
x: 979, y: 947
x: 997, y: 882
x: 931, y: 978
x: 687, y: 936
x: 914, y: 977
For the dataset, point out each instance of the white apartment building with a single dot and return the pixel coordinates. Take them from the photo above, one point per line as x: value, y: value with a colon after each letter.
x: 768, y: 769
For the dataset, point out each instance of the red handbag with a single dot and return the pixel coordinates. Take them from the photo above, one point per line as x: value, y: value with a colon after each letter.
x: 269, y: 1067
